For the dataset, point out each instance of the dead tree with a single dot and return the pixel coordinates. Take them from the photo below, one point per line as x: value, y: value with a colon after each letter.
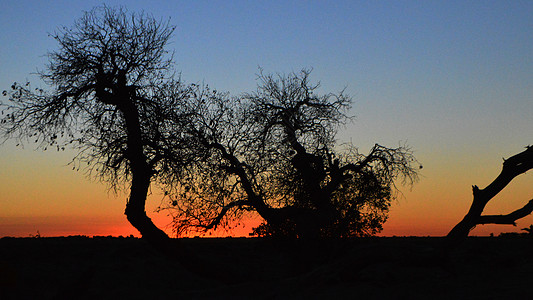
x: 512, y: 167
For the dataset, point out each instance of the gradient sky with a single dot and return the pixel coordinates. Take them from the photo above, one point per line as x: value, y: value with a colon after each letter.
x: 452, y: 79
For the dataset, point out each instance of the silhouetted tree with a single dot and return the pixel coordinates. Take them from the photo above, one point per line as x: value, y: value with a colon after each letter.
x: 512, y: 167
x: 274, y: 152
x: 113, y: 97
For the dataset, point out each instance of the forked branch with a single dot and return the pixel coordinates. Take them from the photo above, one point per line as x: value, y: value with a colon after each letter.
x: 512, y: 167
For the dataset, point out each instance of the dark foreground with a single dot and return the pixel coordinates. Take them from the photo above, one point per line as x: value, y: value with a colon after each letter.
x: 372, y: 268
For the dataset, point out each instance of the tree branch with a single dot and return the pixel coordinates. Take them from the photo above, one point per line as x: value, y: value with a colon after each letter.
x: 512, y: 167
x: 215, y: 222
x: 508, y: 218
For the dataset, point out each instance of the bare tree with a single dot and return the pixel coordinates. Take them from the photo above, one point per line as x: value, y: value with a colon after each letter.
x: 274, y: 152
x: 113, y: 98
x: 512, y: 167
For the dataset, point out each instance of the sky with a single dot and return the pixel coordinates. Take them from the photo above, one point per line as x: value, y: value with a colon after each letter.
x: 451, y: 79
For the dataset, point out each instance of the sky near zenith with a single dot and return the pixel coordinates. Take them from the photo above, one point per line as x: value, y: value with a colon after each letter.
x: 452, y: 79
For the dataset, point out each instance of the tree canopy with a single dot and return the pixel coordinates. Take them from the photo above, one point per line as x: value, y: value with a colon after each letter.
x: 113, y: 97
x: 274, y: 151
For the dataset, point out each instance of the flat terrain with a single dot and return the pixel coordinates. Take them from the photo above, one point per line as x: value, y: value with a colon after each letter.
x: 232, y: 268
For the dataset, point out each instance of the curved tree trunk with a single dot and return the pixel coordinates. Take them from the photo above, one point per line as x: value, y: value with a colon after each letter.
x: 135, y: 210
x: 141, y: 178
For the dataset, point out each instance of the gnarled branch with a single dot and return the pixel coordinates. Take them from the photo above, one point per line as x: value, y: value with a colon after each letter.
x: 512, y: 167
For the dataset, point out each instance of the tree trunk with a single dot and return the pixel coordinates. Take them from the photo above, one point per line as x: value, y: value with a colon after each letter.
x: 460, y: 231
x: 135, y: 210
x: 141, y: 177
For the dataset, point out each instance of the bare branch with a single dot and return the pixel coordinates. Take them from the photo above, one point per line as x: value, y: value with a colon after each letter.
x: 512, y: 167
x: 510, y: 218
x: 215, y: 222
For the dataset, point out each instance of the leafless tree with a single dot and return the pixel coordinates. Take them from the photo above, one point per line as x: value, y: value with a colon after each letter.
x: 512, y: 167
x: 115, y: 99
x: 274, y: 152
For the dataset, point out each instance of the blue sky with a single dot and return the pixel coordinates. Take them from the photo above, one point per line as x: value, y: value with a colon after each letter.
x: 453, y: 79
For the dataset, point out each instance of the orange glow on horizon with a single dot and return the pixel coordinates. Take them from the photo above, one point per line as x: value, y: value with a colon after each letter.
x: 43, y: 195
x: 55, y: 227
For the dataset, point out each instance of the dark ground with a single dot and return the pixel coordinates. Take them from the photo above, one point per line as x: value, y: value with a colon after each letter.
x: 367, y: 268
